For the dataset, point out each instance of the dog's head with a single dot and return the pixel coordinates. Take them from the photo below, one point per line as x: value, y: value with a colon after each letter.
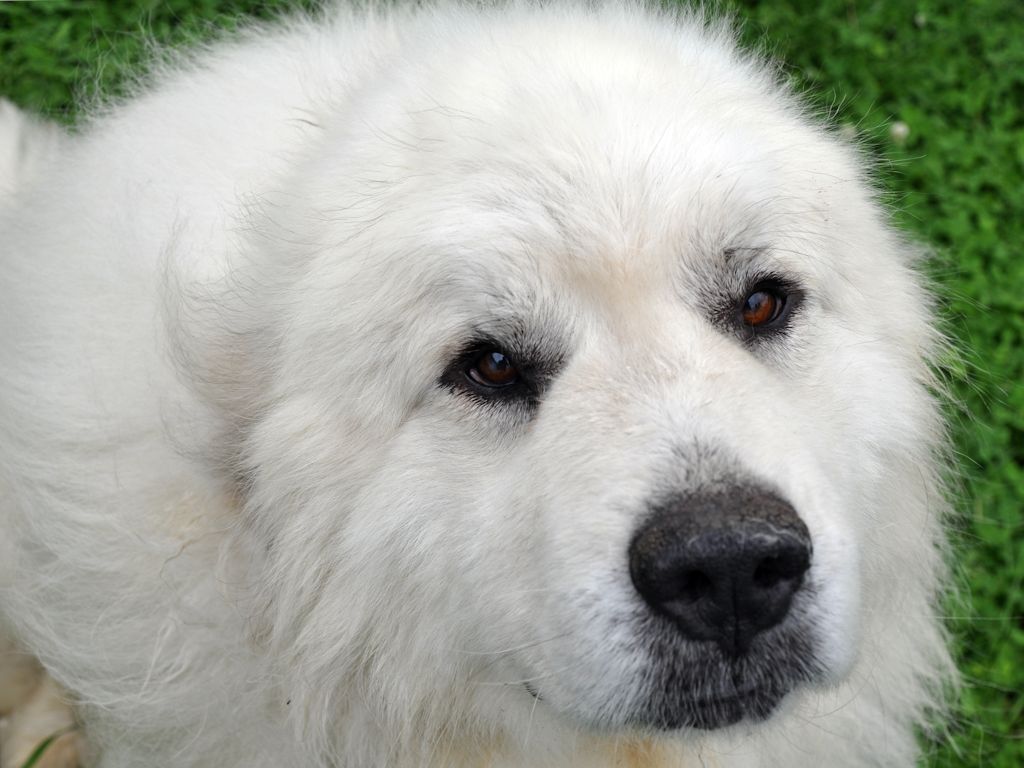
x: 585, y: 376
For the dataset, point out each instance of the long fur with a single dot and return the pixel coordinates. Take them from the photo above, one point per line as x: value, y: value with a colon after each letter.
x: 242, y: 522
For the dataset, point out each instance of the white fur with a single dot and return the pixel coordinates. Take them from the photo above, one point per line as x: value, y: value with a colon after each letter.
x: 244, y: 525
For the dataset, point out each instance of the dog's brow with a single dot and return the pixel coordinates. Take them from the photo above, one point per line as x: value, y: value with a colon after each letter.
x: 746, y: 252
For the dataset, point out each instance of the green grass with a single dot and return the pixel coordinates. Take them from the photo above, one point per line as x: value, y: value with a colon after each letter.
x: 953, y: 72
x: 37, y: 753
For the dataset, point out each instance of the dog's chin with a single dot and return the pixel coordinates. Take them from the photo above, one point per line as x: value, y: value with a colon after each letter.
x: 679, y: 711
x: 696, y: 686
x: 711, y: 713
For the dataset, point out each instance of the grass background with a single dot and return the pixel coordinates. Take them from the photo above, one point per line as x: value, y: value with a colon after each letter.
x: 952, y: 71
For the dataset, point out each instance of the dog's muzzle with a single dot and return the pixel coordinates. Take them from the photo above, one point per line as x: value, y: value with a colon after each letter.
x: 722, y: 565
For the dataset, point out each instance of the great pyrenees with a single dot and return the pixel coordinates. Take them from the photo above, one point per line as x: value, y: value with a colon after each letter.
x: 468, y: 386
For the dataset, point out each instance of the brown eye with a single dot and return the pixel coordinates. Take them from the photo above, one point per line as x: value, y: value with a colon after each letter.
x: 493, y: 369
x: 762, y: 307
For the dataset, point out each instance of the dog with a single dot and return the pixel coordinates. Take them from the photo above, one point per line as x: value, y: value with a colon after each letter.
x: 460, y: 385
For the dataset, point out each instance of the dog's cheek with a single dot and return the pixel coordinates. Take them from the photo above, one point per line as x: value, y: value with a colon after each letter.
x: 448, y: 511
x: 876, y: 426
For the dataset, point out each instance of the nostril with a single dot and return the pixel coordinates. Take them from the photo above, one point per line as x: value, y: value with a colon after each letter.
x: 787, y: 561
x: 772, y: 570
x: 694, y: 586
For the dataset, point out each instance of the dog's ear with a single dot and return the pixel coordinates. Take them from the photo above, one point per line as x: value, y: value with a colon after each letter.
x: 219, y: 339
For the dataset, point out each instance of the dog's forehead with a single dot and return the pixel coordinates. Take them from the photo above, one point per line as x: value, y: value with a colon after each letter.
x: 617, y: 165
x: 625, y: 232
x: 621, y: 168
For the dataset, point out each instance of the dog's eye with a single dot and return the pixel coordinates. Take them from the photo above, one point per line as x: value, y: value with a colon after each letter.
x: 763, y: 306
x: 493, y: 369
x: 507, y: 375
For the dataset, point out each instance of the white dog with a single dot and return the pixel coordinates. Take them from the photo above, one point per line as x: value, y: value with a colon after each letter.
x: 461, y: 386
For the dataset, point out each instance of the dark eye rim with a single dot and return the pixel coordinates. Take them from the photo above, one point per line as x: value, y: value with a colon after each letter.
x: 787, y: 291
x: 457, y: 376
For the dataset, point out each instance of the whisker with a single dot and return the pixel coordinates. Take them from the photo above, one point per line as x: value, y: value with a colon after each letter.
x: 512, y: 649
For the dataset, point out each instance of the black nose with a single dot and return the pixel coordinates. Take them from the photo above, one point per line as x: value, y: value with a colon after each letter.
x: 723, y: 565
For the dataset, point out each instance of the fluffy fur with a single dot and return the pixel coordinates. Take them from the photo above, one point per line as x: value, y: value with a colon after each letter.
x: 247, y: 522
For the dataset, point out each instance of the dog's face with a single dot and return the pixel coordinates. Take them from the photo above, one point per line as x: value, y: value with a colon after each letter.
x: 584, y: 396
